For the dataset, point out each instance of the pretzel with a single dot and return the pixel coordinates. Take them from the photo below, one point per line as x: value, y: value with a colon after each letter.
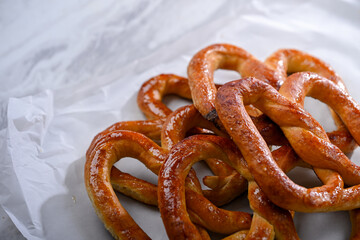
x: 152, y: 92
x: 118, y: 144
x: 171, y: 190
x: 305, y: 136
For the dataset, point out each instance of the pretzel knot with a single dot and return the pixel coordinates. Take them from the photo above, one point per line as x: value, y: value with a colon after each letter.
x: 305, y: 135
x: 116, y: 145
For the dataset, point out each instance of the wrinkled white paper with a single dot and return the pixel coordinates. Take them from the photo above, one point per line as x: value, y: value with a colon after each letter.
x: 98, y: 57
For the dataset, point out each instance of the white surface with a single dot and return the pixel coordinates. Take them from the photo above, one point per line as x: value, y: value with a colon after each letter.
x: 69, y: 69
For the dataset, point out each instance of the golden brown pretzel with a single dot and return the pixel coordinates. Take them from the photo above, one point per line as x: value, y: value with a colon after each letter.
x: 172, y: 193
x: 299, y: 128
x: 152, y: 92
x: 117, y: 144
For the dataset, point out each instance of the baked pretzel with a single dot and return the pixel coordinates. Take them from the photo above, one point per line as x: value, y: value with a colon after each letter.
x: 146, y: 192
x: 99, y: 161
x: 305, y: 135
x: 171, y: 191
x: 152, y: 92
x: 140, y: 189
x: 118, y: 144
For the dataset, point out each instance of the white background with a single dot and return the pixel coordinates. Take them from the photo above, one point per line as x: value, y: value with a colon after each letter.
x: 68, y: 69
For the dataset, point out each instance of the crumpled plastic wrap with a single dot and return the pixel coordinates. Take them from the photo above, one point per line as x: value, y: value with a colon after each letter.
x: 82, y: 74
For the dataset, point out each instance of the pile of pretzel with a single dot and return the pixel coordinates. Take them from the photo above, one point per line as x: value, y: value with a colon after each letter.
x: 232, y: 128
